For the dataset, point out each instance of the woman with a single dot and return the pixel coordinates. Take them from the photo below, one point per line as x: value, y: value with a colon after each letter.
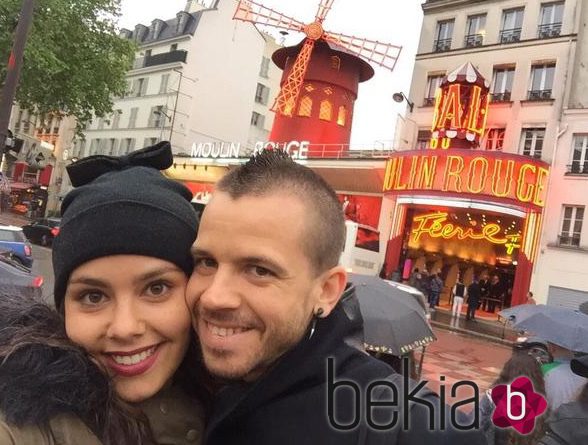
x: 110, y: 365
x: 520, y: 364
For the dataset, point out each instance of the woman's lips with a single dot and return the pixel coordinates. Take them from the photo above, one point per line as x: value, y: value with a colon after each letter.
x: 130, y: 364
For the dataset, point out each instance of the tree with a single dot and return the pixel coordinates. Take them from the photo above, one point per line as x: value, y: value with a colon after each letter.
x: 74, y: 61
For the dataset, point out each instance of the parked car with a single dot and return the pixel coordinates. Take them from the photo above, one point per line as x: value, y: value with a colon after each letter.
x: 15, y: 279
x: 42, y: 231
x: 13, y: 239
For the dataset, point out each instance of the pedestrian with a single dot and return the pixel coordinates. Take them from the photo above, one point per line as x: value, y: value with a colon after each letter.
x: 484, y: 290
x: 568, y: 425
x: 266, y: 297
x: 435, y: 286
x: 415, y: 278
x: 562, y: 385
x: 114, y: 361
x: 460, y: 292
x: 530, y: 299
x: 519, y: 364
x: 474, y: 293
x: 495, y: 293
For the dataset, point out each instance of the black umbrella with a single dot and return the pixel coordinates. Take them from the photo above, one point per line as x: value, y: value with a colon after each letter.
x: 394, y: 319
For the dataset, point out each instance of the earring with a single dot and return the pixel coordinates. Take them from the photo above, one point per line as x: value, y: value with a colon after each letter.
x: 315, y: 317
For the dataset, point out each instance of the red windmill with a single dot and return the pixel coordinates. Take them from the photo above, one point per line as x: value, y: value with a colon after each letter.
x: 296, y: 74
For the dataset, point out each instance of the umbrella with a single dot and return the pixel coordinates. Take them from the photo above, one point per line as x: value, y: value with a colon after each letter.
x: 394, y: 319
x: 520, y: 312
x: 562, y: 326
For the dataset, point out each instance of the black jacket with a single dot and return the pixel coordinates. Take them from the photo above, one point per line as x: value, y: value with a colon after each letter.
x: 568, y: 426
x: 289, y: 405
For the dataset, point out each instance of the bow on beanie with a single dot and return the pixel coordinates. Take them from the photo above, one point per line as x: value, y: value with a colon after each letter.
x: 123, y: 206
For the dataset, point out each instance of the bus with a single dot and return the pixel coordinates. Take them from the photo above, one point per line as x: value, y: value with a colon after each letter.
x: 362, y: 254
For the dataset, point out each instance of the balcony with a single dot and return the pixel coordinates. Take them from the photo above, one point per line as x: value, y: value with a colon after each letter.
x: 577, y: 168
x: 500, y: 97
x: 473, y: 40
x: 549, y: 30
x: 429, y: 102
x: 161, y: 59
x: 568, y: 240
x: 538, y: 95
x: 510, y: 35
x: 441, y: 45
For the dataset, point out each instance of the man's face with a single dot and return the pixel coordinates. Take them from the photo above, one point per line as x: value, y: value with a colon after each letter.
x: 253, y: 289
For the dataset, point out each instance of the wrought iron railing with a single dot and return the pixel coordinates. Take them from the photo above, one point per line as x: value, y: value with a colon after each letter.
x: 510, y: 35
x: 441, y: 45
x: 539, y: 95
x: 178, y: 55
x: 549, y: 30
x: 473, y: 40
x: 569, y: 239
x: 500, y: 97
x: 577, y: 167
x: 428, y: 102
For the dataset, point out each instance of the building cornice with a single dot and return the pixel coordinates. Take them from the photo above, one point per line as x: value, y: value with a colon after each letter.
x: 433, y: 6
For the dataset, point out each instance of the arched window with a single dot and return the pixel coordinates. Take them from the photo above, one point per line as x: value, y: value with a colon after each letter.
x: 305, y: 107
x: 326, y: 112
x: 335, y: 63
x: 342, y: 116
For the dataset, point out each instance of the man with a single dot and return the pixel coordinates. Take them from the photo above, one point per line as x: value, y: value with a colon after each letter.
x: 530, y: 299
x: 562, y: 385
x: 265, y: 301
x: 460, y: 292
x: 436, y: 287
x: 474, y: 294
x: 484, y: 289
x: 495, y: 292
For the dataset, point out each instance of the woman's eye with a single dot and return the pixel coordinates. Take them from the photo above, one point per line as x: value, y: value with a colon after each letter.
x: 92, y: 298
x: 157, y: 289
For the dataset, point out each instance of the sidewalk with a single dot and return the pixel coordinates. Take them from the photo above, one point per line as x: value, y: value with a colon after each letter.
x: 486, y: 327
x: 12, y: 219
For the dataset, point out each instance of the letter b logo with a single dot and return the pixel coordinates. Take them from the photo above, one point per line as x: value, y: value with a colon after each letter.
x: 510, y: 394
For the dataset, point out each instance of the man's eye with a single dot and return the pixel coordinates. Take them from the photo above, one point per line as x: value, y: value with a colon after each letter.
x: 261, y: 271
x: 204, y: 263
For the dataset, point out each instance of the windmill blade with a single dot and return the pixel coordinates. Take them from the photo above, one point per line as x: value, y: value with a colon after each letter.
x: 254, y: 12
x: 286, y: 100
x: 383, y: 54
x: 323, y: 10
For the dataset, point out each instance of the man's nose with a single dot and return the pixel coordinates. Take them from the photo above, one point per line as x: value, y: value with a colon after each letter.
x: 221, y: 292
x: 126, y: 322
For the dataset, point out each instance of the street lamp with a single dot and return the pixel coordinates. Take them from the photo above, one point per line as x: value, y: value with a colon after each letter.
x: 399, y: 97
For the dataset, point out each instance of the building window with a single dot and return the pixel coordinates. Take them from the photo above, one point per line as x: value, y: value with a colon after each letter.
x: 100, y: 125
x: 326, y: 111
x: 433, y: 83
x: 133, y: 117
x: 164, y: 83
x: 126, y: 146
x: 94, y: 146
x: 157, y: 117
x: 140, y: 86
x: 335, y: 63
x: 264, y: 68
x: 342, y: 116
x: 551, y: 20
x: 495, y: 139
x: 150, y: 141
x: 532, y: 141
x: 502, y: 79
x: 116, y: 118
x: 579, y: 163
x: 305, y: 107
x: 173, y: 47
x: 443, y: 36
x: 261, y: 94
x: 475, y: 31
x: 423, y: 139
x: 571, y: 227
x: 541, y: 81
x: 512, y: 23
x: 111, y: 149
x: 257, y: 120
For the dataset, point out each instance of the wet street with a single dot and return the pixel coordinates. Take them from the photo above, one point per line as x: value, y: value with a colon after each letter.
x: 43, y: 266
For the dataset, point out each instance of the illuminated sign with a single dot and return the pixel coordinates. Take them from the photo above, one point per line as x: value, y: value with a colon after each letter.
x: 461, y: 109
x: 436, y: 225
x: 503, y: 176
x: 224, y: 150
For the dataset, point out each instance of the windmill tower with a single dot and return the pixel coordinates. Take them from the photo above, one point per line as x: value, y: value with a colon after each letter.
x: 320, y: 77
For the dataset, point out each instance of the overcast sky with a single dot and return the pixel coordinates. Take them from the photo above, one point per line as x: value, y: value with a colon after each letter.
x: 390, y: 21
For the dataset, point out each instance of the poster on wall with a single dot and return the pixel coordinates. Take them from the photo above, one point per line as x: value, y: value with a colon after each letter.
x: 201, y: 191
x: 362, y: 209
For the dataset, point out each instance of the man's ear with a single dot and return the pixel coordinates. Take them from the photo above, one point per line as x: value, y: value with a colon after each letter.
x: 331, y: 286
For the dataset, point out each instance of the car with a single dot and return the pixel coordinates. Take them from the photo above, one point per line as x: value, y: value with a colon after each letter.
x: 13, y: 239
x: 536, y: 347
x: 17, y: 280
x: 42, y: 231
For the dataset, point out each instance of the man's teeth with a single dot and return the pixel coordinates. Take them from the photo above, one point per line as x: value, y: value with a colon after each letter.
x: 133, y: 359
x: 225, y: 332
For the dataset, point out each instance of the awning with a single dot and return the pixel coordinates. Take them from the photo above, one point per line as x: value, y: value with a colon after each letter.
x: 20, y: 185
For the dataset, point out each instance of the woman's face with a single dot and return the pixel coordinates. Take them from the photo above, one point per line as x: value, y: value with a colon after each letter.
x: 129, y: 313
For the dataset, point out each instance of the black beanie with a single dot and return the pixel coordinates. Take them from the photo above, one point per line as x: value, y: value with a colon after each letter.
x: 123, y: 206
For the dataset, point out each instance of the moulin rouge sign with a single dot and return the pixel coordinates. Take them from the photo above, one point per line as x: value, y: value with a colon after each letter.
x: 469, y: 172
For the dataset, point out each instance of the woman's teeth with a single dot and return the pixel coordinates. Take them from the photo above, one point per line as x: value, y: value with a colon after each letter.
x: 133, y: 359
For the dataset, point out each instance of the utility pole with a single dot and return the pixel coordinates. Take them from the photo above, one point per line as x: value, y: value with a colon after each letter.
x: 13, y: 72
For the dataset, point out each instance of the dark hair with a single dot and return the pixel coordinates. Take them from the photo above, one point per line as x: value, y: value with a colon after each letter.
x: 523, y: 364
x: 274, y: 171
